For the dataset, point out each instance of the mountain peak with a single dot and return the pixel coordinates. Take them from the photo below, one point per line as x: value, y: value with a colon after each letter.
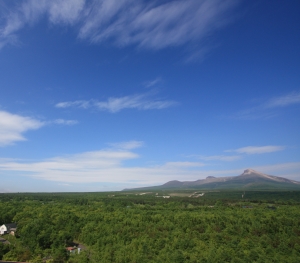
x: 256, y: 173
x: 249, y: 171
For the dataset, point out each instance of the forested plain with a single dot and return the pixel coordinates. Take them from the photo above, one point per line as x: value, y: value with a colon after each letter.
x: 121, y: 227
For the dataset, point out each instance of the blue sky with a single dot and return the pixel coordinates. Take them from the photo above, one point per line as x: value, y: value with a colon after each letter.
x: 105, y: 95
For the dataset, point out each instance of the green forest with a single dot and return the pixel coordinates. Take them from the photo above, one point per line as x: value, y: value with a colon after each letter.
x: 135, y: 227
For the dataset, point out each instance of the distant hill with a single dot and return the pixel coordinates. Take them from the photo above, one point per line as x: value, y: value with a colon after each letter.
x: 249, y: 179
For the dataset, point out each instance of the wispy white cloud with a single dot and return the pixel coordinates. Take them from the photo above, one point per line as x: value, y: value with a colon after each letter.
x: 258, y: 149
x: 64, y: 11
x: 127, y: 145
x: 184, y: 164
x: 113, y: 104
x: 226, y: 158
x: 108, y: 166
x: 269, y: 108
x: 141, y: 102
x: 283, y: 101
x: 85, y: 104
x: 97, y: 166
x: 255, y: 113
x: 286, y: 170
x: 278, y: 167
x: 240, y: 153
x: 13, y: 126
x: 148, y: 24
x: 102, y: 166
x: 151, y: 83
x: 65, y: 122
x: 155, y: 24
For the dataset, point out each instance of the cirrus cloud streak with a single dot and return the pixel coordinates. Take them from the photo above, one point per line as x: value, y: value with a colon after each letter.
x: 114, y: 104
x: 147, y: 24
x: 258, y: 149
x: 270, y: 107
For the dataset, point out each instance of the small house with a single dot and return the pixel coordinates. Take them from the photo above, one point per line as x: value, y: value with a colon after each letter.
x: 71, y: 250
x: 75, y: 249
x: 8, y: 229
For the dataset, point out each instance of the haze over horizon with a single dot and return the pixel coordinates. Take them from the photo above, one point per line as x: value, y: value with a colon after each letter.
x: 106, y: 95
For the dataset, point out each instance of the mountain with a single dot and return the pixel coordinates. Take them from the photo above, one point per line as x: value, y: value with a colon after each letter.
x: 249, y: 179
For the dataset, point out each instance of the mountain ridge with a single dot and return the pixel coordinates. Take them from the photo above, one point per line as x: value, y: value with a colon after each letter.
x: 249, y: 179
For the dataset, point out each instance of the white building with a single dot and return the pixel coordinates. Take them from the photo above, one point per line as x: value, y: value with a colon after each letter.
x: 8, y: 229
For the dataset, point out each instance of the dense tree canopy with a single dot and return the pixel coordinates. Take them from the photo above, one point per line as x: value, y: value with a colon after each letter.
x: 124, y: 227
